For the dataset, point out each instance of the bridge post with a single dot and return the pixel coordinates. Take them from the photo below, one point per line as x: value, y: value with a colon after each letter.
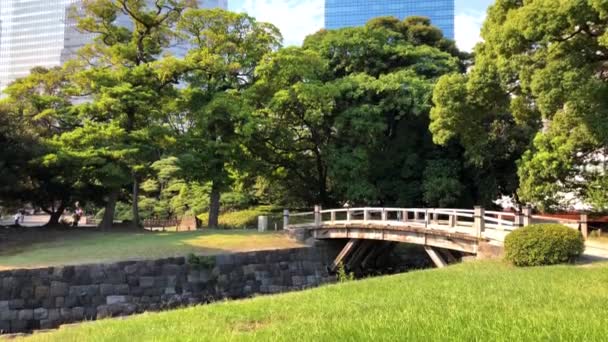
x: 365, y: 215
x: 584, y: 226
x: 404, y: 217
x: 427, y: 217
x: 285, y: 218
x: 348, y: 215
x: 333, y: 216
x: 518, y: 218
x: 479, y: 223
x: 318, y: 218
x: 527, y: 211
x: 452, y: 219
x: 384, y: 214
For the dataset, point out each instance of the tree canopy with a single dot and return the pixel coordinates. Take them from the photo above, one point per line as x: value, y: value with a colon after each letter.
x: 534, y: 100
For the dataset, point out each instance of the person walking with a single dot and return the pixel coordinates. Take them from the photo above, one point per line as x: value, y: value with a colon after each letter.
x: 77, y: 215
x: 18, y: 218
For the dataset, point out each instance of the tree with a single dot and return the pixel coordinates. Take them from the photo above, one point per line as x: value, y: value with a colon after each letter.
x: 127, y: 81
x: 37, y: 108
x: 225, y: 49
x: 542, y: 65
x: 345, y: 117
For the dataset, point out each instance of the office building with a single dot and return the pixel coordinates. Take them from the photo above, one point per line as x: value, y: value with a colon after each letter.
x: 42, y: 33
x: 347, y: 13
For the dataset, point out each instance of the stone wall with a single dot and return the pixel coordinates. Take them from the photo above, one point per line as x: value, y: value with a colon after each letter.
x: 48, y: 297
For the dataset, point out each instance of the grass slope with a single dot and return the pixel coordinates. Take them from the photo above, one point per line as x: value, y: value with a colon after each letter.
x: 483, y: 301
x: 82, y: 247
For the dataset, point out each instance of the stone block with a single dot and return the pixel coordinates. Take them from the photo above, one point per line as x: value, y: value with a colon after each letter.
x: 41, y: 292
x: 5, y: 326
x: 25, y: 314
x: 27, y: 291
x: 59, y: 289
x: 146, y: 282
x: 40, y: 313
x: 18, y: 325
x: 82, y: 275
x: 78, y: 313
x: 117, y: 299
x: 107, y: 289
x: 10, y: 283
x: 4, y: 305
x: 171, y: 270
x: 105, y: 311
x: 97, y: 274
x: 90, y: 313
x: 122, y: 289
x: 66, y: 314
x: 71, y: 301
x: 49, y: 324
x: 59, y: 302
x: 114, y: 275
x: 54, y: 315
x: 7, y: 315
x: 131, y: 269
x: 15, y: 304
x: 84, y: 290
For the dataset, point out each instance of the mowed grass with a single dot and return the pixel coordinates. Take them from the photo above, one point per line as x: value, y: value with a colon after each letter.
x: 480, y: 301
x: 82, y: 247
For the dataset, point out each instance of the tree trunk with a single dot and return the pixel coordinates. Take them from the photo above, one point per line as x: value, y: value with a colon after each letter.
x: 135, y: 202
x: 108, y: 215
x: 56, y: 215
x: 214, y: 205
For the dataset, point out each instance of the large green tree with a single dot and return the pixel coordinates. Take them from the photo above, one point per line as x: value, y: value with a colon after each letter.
x: 225, y: 49
x: 537, y: 94
x: 345, y: 117
x: 37, y: 108
x: 126, y: 78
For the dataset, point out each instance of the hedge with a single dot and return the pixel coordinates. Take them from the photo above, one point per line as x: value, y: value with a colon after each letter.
x: 543, y: 244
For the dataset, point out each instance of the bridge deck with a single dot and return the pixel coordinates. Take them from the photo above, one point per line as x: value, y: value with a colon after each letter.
x: 456, y: 229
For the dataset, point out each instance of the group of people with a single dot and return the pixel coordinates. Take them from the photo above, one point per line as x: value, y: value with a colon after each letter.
x: 19, y: 217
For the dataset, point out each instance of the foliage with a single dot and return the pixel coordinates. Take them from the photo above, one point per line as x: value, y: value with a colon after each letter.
x: 344, y: 276
x: 535, y: 94
x: 200, y: 262
x: 247, y: 218
x: 543, y: 244
x: 345, y: 117
x: 225, y: 49
x: 562, y: 303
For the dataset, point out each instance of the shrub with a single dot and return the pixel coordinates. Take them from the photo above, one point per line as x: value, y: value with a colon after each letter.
x: 543, y: 244
x: 344, y: 276
x: 247, y: 218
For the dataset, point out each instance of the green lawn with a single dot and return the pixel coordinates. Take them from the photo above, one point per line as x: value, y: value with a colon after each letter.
x: 479, y: 301
x: 81, y: 247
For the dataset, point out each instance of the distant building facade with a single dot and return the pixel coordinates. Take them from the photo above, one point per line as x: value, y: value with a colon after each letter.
x: 347, y: 13
x: 41, y: 33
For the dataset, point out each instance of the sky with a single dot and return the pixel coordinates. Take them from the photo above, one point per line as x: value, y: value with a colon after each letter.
x: 298, y: 18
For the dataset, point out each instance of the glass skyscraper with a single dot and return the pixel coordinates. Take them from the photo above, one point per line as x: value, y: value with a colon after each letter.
x: 346, y: 13
x: 41, y: 33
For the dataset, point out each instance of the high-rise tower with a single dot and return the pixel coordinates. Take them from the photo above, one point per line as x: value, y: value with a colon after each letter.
x: 41, y: 33
x: 345, y: 13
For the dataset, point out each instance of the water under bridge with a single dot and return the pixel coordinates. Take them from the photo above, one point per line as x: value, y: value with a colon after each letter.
x: 444, y: 233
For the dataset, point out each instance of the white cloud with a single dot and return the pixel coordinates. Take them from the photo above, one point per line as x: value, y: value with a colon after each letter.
x: 468, y: 27
x: 295, y: 18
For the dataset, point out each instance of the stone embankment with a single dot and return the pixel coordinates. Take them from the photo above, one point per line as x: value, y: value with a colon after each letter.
x: 48, y: 297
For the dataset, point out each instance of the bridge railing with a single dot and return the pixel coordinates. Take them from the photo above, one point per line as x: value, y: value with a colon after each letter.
x: 494, y: 225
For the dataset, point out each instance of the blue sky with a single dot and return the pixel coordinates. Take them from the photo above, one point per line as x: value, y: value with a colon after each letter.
x: 298, y: 18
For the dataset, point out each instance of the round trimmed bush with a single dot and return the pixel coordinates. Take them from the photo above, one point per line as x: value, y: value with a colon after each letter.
x: 543, y: 244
